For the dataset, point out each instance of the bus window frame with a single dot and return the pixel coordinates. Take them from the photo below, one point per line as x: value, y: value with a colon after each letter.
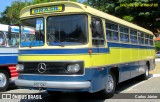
x: 124, y: 33
x: 107, y: 29
x: 131, y: 29
x: 22, y: 27
x: 145, y: 38
x: 15, y: 38
x: 4, y: 38
x: 87, y: 26
x: 151, y: 40
x: 141, y: 38
x: 102, y: 26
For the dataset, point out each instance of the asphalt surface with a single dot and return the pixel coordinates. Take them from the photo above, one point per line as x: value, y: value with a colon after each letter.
x: 129, y: 89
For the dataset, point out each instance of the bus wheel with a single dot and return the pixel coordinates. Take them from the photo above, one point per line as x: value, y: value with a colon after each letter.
x: 4, y: 80
x: 145, y: 76
x: 110, y: 86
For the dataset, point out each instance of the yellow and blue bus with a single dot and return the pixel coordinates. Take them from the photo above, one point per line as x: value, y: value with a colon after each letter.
x: 78, y: 48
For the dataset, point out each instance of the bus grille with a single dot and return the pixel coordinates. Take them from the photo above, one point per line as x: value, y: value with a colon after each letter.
x: 53, y: 68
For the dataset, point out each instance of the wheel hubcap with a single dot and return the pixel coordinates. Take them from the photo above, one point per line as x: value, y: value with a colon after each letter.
x: 3, y: 80
x: 147, y: 73
x: 110, y: 84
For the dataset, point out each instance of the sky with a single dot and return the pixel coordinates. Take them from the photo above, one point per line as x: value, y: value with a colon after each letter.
x: 5, y: 3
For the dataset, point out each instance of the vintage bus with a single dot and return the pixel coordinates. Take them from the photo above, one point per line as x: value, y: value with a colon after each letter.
x: 9, y: 42
x: 9, y: 37
x: 77, y: 48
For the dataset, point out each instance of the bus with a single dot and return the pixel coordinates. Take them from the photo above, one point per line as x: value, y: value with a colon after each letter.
x: 9, y: 37
x: 77, y: 48
x: 9, y: 42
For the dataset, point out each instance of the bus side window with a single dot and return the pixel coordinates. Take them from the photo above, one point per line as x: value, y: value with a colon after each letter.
x: 151, y: 40
x: 141, y: 38
x: 112, y: 32
x: 124, y: 34
x: 97, y: 32
x: 133, y: 36
x: 2, y: 40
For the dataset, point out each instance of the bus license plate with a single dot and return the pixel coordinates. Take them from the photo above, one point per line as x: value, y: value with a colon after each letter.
x: 40, y: 84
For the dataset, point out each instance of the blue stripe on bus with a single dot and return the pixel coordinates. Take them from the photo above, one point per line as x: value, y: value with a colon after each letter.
x: 83, y: 50
x: 64, y: 51
x: 8, y: 60
x: 112, y: 44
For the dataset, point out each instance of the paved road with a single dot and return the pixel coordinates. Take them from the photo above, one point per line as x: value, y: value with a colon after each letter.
x: 132, y: 86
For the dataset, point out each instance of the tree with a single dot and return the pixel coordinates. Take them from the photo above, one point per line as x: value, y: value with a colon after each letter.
x: 4, y: 19
x: 144, y: 13
x: 11, y: 14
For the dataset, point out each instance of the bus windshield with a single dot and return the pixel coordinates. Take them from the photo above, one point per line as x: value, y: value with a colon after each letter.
x: 32, y: 33
x: 67, y: 30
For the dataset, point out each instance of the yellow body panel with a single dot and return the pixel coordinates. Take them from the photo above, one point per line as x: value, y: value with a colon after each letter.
x: 115, y: 56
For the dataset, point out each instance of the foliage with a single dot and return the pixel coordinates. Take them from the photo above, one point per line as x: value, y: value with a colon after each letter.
x: 157, y: 45
x: 11, y: 14
x: 128, y: 18
x: 141, y: 12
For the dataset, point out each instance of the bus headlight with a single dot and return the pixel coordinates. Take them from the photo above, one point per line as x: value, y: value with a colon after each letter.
x: 20, y: 67
x: 73, y: 68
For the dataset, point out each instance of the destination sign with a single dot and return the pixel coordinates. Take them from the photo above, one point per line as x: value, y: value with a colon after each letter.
x: 57, y: 8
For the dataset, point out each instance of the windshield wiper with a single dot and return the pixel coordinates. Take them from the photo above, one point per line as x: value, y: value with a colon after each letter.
x: 55, y: 40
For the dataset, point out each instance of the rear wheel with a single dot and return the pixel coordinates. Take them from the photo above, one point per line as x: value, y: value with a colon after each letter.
x: 4, y: 80
x: 110, y: 87
x: 145, y: 76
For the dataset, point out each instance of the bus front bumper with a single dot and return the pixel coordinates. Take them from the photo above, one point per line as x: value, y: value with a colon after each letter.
x: 53, y: 84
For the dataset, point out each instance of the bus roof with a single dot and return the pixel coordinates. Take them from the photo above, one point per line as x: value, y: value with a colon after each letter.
x: 74, y: 7
x: 3, y: 27
x: 15, y: 29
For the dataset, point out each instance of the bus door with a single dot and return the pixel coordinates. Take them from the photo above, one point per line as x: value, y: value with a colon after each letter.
x: 98, y: 41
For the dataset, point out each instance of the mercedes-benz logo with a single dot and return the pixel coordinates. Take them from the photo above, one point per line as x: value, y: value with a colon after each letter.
x: 41, y: 67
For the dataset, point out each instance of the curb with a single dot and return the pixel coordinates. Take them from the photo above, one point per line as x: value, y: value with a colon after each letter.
x: 154, y: 75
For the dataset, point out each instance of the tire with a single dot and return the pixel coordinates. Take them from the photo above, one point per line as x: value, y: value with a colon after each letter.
x: 109, y: 88
x: 4, y: 80
x: 145, y: 76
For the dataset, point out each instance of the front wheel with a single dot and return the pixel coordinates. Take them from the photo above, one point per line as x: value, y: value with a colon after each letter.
x: 4, y: 80
x: 110, y: 86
